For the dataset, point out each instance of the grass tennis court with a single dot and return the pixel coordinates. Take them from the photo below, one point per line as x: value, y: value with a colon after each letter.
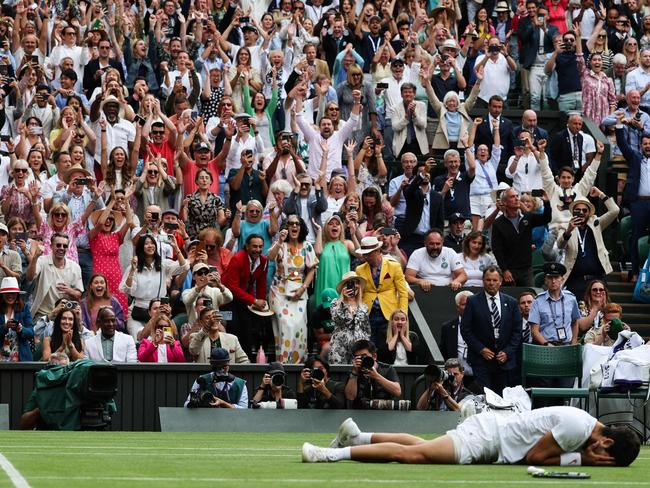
x: 123, y: 459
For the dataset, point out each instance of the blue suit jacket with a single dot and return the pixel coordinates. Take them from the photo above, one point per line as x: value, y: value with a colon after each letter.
x: 476, y: 329
x: 633, y: 158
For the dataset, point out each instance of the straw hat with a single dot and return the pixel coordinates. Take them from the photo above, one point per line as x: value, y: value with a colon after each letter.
x: 349, y: 276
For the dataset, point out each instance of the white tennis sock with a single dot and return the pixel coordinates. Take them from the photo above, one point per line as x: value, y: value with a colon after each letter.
x: 341, y: 454
x: 362, y: 439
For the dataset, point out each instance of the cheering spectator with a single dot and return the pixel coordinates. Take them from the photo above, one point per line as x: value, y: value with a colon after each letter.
x: 99, y: 296
x: 592, y: 308
x: 401, y: 344
x: 296, y: 263
x: 146, y: 278
x: 350, y: 318
x: 65, y: 336
x: 110, y: 345
x: 568, y: 62
x: 160, y: 347
x: 16, y: 330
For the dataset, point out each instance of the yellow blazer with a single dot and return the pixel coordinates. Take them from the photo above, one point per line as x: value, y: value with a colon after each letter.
x: 392, y: 291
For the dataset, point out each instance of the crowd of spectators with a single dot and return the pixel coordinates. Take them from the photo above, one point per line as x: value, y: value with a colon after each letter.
x: 274, y: 179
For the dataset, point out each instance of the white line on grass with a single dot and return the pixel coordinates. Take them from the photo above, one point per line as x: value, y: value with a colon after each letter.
x: 14, y: 476
x: 31, y: 452
x: 401, y: 481
x: 166, y: 449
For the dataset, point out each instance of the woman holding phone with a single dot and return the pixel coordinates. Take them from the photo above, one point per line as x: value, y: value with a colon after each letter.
x: 350, y: 318
x: 16, y: 330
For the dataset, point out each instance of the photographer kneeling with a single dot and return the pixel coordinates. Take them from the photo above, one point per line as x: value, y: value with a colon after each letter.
x: 218, y: 389
x: 316, y: 389
x: 369, y: 379
x: 274, y: 390
x: 445, y: 389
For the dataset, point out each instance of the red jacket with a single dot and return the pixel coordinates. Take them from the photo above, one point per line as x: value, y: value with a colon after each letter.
x: 246, y: 287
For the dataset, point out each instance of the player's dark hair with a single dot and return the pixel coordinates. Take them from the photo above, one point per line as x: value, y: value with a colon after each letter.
x: 626, y: 444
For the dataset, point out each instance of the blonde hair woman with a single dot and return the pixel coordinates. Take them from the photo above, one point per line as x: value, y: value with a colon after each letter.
x: 154, y: 186
x: 399, y: 349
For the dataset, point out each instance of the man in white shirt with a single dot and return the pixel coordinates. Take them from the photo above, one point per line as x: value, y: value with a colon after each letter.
x: 335, y: 138
x: 435, y: 265
x: 496, y: 65
x: 119, y: 131
x: 62, y: 163
x: 552, y: 436
x: 523, y: 168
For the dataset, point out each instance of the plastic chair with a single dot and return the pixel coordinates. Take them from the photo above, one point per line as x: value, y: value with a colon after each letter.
x: 637, y: 394
x: 644, y: 249
x: 538, y: 260
x: 539, y: 279
x: 553, y: 362
x: 625, y: 234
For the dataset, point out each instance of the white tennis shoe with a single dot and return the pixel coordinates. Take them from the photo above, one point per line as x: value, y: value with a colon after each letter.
x: 315, y: 454
x: 348, y: 430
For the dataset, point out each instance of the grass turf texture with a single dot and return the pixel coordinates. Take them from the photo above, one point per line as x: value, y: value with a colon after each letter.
x: 125, y: 459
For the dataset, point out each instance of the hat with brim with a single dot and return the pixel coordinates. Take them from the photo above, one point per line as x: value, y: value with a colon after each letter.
x: 112, y: 99
x: 117, y: 216
x: 554, y: 269
x: 3, y: 228
x: 199, y: 267
x: 65, y: 177
x: 251, y: 28
x: 374, y: 17
x: 219, y: 355
x: 457, y: 217
x: 450, y: 44
x: 349, y: 276
x: 10, y: 285
x: 368, y: 245
x: 502, y: 7
x: 583, y: 201
x: 275, y: 368
x: 500, y: 187
x: 267, y: 312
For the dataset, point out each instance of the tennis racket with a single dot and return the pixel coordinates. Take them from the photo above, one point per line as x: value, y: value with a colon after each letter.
x: 559, y: 474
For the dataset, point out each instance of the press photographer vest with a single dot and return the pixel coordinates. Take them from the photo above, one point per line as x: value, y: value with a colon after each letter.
x: 234, y: 390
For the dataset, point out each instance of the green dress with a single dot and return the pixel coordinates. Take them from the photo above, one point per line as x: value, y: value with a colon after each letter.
x: 333, y: 263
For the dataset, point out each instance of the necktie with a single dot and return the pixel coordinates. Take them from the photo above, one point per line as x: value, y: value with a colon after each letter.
x: 525, y: 333
x: 496, y: 317
x: 576, y: 162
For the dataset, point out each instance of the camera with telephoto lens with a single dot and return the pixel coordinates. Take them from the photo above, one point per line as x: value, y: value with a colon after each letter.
x: 277, y: 379
x: 437, y: 374
x: 385, y: 404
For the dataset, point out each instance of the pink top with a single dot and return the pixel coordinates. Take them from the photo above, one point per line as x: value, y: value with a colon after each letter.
x: 598, y: 94
x: 73, y: 231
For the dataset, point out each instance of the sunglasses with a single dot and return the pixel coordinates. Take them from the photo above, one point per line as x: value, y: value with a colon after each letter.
x: 20, y: 170
x: 602, y: 36
x: 201, y: 272
x: 293, y: 222
x: 61, y: 246
x: 253, y: 211
x: 598, y: 290
x: 334, y: 109
x: 305, y: 185
x: 157, y: 132
x: 152, y: 172
x: 60, y: 214
x: 581, y: 210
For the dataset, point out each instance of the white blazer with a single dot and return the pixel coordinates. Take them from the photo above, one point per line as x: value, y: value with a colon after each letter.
x: 123, y: 348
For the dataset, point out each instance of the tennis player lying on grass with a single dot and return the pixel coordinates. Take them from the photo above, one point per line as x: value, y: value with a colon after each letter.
x: 564, y: 436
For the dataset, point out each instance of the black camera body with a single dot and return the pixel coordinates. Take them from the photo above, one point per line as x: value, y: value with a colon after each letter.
x: 317, y: 374
x: 367, y: 362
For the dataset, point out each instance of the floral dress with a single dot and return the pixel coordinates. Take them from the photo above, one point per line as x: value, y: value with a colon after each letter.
x: 202, y: 215
x: 349, y: 326
x: 105, y: 249
x: 290, y: 316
